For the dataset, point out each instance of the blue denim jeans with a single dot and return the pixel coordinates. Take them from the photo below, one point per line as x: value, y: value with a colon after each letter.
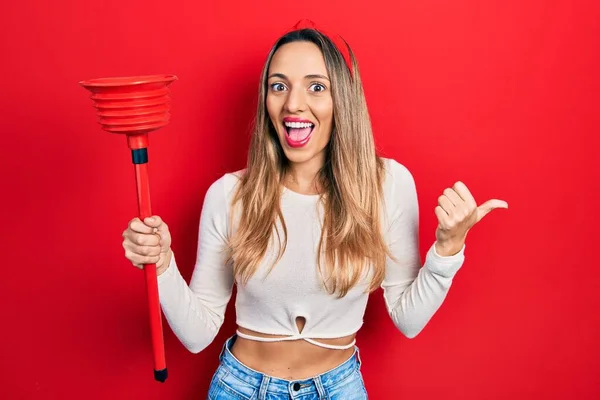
x: 233, y: 380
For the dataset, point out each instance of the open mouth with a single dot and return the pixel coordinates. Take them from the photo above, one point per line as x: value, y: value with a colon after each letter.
x: 298, y: 134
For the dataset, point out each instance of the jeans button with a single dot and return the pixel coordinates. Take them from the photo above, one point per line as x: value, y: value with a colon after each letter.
x: 296, y: 386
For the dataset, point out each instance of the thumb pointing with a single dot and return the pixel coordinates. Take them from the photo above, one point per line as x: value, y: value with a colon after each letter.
x: 488, y: 206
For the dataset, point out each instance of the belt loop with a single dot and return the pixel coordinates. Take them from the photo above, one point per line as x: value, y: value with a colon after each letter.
x: 228, y: 343
x: 264, y: 384
x: 320, y: 389
x: 358, y: 357
x: 223, y: 349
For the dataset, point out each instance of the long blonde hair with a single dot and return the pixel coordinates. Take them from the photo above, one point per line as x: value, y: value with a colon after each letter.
x: 351, y: 178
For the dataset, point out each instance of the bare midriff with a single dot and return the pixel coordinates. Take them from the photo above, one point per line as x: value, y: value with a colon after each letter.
x: 291, y: 359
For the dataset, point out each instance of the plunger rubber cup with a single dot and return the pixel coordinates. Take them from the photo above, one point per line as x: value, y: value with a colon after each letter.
x: 136, y: 106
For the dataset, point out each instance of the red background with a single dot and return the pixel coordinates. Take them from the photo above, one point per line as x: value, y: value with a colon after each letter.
x: 502, y: 95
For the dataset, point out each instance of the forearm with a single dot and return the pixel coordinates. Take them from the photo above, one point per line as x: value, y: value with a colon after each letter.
x: 413, y: 306
x: 194, y: 324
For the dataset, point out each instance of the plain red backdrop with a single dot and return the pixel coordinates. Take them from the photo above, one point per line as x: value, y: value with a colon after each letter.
x: 502, y: 95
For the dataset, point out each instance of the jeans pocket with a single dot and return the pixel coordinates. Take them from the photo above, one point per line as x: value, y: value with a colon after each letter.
x: 350, y: 388
x: 228, y: 387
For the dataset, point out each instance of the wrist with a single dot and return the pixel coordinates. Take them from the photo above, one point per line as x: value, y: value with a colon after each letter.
x: 448, y: 249
x: 166, y: 263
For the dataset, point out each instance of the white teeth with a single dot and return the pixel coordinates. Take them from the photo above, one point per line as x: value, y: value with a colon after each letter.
x: 298, y: 124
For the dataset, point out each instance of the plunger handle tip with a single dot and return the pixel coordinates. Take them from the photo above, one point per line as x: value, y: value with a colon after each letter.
x: 161, y: 375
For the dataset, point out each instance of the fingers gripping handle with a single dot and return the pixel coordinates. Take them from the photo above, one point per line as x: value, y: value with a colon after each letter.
x: 140, y: 161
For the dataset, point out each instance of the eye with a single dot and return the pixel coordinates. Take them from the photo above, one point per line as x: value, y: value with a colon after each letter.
x: 317, y: 87
x: 277, y: 87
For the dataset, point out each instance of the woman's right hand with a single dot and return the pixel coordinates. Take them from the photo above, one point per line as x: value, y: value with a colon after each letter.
x: 148, y: 242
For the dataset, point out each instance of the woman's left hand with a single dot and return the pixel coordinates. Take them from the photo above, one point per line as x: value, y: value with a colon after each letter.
x: 457, y: 212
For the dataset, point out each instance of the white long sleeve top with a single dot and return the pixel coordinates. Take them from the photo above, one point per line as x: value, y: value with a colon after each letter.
x: 271, y: 303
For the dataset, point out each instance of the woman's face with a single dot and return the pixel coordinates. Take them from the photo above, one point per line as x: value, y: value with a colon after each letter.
x: 299, y: 101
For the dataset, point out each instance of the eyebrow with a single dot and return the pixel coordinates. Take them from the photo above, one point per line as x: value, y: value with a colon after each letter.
x: 312, y: 76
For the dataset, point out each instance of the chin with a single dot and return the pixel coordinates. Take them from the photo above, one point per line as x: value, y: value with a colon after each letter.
x: 299, y: 156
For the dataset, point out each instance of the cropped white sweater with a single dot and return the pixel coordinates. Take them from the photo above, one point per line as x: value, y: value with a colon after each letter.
x: 271, y: 303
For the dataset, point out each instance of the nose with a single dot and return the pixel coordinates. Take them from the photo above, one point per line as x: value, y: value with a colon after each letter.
x: 295, y: 101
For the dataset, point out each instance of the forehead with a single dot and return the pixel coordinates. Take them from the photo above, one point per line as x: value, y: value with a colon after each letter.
x: 298, y: 59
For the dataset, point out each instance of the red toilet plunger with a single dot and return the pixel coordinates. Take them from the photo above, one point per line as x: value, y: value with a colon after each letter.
x: 136, y: 106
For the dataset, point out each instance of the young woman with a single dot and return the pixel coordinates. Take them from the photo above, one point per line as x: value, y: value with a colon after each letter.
x: 313, y: 224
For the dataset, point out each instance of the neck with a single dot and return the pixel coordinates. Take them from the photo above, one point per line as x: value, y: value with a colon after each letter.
x: 302, y: 177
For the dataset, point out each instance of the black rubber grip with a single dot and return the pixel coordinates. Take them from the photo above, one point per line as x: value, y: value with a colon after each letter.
x: 139, y: 156
x: 161, y: 375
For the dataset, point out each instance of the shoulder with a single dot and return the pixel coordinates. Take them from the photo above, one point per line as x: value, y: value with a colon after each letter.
x: 399, y: 189
x: 221, y: 191
x: 397, y: 176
